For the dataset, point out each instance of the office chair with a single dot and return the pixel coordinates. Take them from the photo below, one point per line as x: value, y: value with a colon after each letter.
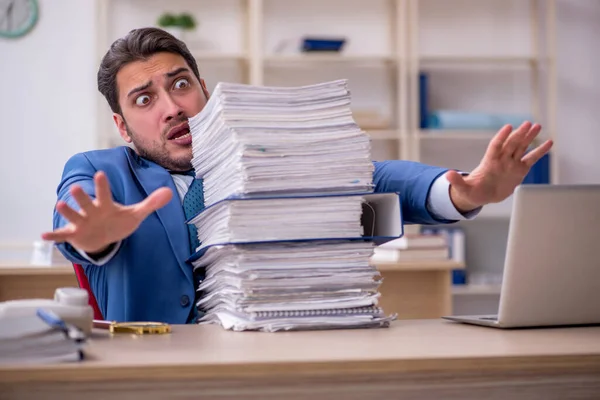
x: 85, y: 284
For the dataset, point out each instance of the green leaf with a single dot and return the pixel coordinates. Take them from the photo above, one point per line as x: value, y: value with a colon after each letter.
x: 186, y: 21
x: 167, y: 20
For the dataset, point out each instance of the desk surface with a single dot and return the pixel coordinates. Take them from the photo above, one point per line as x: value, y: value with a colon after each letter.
x: 408, y: 346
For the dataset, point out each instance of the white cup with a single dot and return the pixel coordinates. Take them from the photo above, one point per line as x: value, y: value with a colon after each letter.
x: 42, y: 253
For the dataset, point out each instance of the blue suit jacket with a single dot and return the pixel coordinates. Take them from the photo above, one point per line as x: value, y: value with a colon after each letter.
x: 148, y: 279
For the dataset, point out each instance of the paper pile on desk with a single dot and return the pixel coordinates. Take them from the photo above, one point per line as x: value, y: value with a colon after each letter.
x: 301, y: 285
x: 285, y: 171
x: 253, y: 140
x: 280, y: 218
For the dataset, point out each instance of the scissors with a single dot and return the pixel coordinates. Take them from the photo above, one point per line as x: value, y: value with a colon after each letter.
x: 139, y: 328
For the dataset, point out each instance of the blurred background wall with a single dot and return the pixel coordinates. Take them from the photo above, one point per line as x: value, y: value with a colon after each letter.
x: 50, y: 107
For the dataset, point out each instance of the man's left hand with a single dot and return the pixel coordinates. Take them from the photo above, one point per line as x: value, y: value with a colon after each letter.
x: 504, y: 166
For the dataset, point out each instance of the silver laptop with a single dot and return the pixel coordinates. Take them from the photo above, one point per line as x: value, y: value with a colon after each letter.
x: 552, y: 266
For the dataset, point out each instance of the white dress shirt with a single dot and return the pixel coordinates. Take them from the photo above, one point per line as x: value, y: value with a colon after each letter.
x: 438, y: 203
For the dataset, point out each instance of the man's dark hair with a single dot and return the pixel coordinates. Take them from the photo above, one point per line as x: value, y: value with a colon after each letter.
x: 137, y: 45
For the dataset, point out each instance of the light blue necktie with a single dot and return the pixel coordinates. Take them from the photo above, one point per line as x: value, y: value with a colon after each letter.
x: 193, y: 203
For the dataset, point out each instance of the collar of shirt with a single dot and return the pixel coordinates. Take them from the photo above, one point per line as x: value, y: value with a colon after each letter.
x: 182, y: 183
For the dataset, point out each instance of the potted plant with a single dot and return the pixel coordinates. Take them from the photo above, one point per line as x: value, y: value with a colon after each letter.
x: 177, y: 25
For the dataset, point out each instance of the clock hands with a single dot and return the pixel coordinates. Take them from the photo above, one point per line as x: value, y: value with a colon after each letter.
x: 9, y: 11
x: 8, y: 15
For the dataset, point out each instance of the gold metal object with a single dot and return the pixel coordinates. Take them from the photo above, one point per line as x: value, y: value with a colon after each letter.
x: 139, y: 328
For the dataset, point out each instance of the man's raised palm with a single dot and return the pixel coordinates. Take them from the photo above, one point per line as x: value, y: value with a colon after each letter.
x: 502, y: 168
x: 101, y: 221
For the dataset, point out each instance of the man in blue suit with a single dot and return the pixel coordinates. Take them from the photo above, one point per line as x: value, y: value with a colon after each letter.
x: 119, y: 211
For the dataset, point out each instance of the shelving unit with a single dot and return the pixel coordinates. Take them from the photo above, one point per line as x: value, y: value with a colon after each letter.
x: 464, y: 55
x: 461, y: 42
x: 481, y: 55
x: 260, y: 48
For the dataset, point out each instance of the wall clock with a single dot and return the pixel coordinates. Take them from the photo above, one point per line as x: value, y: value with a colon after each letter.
x: 17, y: 17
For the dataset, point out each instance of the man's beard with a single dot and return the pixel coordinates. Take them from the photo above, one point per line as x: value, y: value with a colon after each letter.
x: 159, y: 154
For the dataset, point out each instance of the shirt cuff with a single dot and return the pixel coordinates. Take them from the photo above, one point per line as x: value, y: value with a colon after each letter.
x: 103, y: 260
x: 440, y: 205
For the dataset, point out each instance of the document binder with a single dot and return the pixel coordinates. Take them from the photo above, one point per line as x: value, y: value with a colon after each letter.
x: 380, y: 218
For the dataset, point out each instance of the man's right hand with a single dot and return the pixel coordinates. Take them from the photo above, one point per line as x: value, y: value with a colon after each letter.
x: 101, y: 221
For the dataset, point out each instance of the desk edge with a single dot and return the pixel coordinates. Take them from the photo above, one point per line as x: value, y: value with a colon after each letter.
x: 82, y: 372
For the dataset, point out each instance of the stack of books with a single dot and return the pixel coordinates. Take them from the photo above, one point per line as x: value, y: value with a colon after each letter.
x: 287, y: 176
x: 411, y: 248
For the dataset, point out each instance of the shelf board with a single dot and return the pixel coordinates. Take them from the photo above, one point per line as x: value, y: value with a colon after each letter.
x: 216, y: 56
x: 475, y: 60
x: 328, y: 58
x: 418, y: 265
x: 450, y: 134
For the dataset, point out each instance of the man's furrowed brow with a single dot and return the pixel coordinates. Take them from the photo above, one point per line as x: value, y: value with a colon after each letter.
x: 176, y: 72
x: 139, y: 88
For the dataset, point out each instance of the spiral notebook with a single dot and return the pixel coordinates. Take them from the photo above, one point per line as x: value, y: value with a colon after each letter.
x: 351, y: 318
x: 290, y: 285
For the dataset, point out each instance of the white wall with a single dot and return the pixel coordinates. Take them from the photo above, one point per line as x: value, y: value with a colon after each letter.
x: 48, y: 102
x: 47, y: 109
x: 578, y: 66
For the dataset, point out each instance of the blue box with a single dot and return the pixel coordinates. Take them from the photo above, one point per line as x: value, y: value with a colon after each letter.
x: 316, y: 44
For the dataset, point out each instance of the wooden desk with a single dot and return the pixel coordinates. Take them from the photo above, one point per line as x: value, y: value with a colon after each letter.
x: 429, y: 359
x: 418, y: 289
x: 26, y: 281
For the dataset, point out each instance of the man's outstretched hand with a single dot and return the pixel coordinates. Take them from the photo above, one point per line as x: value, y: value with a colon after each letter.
x: 503, y: 167
x: 101, y: 221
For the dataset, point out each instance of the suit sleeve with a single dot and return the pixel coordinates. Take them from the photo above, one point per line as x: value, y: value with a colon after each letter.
x: 413, y: 181
x: 78, y: 170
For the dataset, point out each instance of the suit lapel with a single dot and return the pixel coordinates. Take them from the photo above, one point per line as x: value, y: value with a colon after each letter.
x: 151, y: 177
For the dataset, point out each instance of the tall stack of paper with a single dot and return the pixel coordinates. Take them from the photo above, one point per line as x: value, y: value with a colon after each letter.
x: 290, y: 285
x: 287, y: 174
x: 253, y: 140
x: 280, y: 218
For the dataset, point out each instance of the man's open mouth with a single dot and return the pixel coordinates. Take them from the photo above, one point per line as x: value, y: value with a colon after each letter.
x: 182, y: 131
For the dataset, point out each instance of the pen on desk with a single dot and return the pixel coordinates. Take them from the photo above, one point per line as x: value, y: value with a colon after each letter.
x: 49, y: 317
